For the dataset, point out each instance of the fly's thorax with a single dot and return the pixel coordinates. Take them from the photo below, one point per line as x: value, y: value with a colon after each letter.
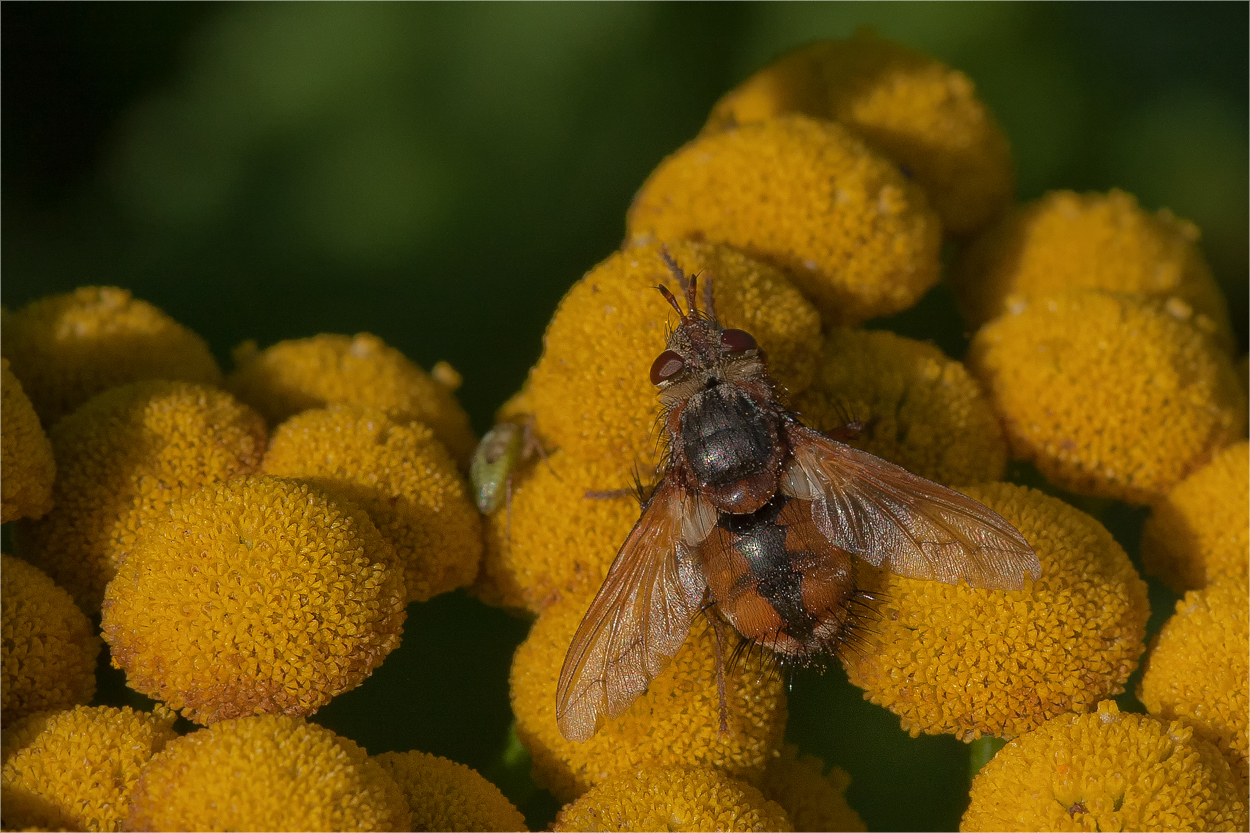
x: 730, y: 444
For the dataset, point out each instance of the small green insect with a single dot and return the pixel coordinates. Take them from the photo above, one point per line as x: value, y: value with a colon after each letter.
x: 503, y: 450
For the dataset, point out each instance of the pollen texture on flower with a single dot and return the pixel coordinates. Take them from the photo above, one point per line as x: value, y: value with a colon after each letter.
x: 915, y: 109
x: 49, y: 646
x: 920, y: 409
x: 25, y: 454
x: 591, y: 391
x: 293, y: 376
x: 122, y: 459
x: 857, y: 237
x: 445, y: 795
x: 1198, y: 670
x: 67, y: 348
x: 253, y: 596
x: 966, y: 661
x: 672, y: 798
x: 812, y: 798
x: 75, y: 769
x: 676, y: 721
x: 1108, y: 395
x: 270, y: 772
x: 1106, y: 771
x: 401, y: 475
x: 1200, y: 532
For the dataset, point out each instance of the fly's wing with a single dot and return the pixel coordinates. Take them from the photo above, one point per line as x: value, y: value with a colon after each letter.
x: 891, y: 518
x: 638, y: 620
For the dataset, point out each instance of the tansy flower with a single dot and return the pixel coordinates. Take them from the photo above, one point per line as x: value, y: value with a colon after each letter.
x: 293, y: 376
x: 401, y: 476
x: 812, y: 799
x: 1197, y: 670
x: 256, y: 595
x: 591, y: 390
x: 967, y: 661
x: 1067, y: 241
x: 122, y: 459
x: 672, y: 798
x: 67, y: 348
x: 921, y: 409
x: 1106, y: 771
x: 1200, y: 532
x: 857, y: 237
x: 25, y: 454
x: 915, y: 109
x: 676, y: 721
x: 445, y: 795
x: 1108, y: 395
x: 270, y: 772
x: 49, y: 646
x: 75, y: 769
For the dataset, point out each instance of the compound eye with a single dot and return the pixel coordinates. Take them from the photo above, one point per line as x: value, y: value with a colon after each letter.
x: 737, y: 341
x: 668, y: 365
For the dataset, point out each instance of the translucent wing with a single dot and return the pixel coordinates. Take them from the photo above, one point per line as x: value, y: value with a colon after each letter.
x: 639, y: 618
x: 891, y: 518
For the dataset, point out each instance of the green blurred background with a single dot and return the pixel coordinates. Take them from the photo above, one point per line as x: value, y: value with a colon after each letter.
x: 440, y: 174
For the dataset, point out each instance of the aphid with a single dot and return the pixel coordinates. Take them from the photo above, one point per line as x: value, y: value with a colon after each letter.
x: 497, y: 457
x: 756, y: 521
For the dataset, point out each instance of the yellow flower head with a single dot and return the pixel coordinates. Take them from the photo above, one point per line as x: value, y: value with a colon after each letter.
x: 1067, y: 241
x: 1198, y: 670
x: 122, y: 459
x: 1108, y: 395
x: 49, y: 646
x: 591, y: 390
x: 271, y: 772
x: 293, y: 376
x: 1200, y: 532
x: 965, y: 661
x: 915, y: 109
x: 256, y: 595
x: 445, y: 795
x: 857, y: 237
x: 398, y: 473
x: 921, y: 409
x: 812, y: 798
x: 25, y: 454
x: 67, y: 348
x: 676, y: 721
x: 672, y: 798
x: 75, y: 769
x: 1106, y: 771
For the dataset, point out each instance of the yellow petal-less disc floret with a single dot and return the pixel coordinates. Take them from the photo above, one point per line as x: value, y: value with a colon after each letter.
x: 965, y: 661
x: 49, y: 646
x: 812, y: 798
x: 76, y: 769
x: 67, y: 348
x: 1067, y: 241
x: 1198, y: 671
x: 1108, y: 395
x: 25, y: 454
x: 676, y: 721
x: 398, y: 473
x: 857, y: 237
x: 1106, y: 771
x: 915, y: 109
x: 1200, y: 532
x: 591, y: 390
x: 445, y: 795
x: 921, y: 409
x: 270, y: 772
x: 254, y: 596
x: 122, y: 459
x: 672, y: 798
x: 293, y: 376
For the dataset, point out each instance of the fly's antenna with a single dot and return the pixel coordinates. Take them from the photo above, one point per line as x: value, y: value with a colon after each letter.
x: 688, y: 284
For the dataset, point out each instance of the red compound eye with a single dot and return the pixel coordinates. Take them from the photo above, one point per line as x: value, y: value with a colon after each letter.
x: 737, y: 341
x: 666, y: 366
